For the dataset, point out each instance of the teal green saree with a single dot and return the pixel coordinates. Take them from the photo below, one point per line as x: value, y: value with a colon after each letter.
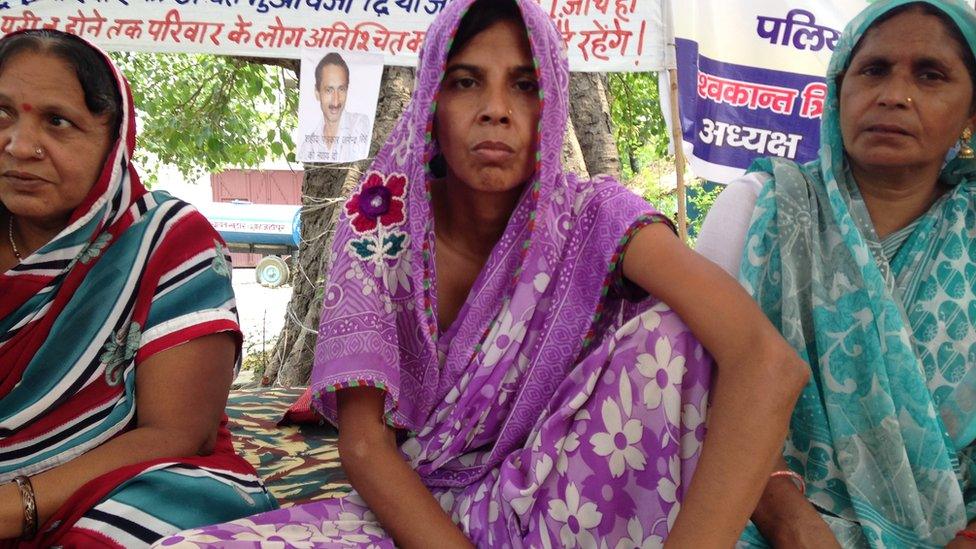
x: 884, y: 432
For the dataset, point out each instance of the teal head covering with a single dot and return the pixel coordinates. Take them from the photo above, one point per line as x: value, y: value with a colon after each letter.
x: 831, y: 152
x: 884, y: 432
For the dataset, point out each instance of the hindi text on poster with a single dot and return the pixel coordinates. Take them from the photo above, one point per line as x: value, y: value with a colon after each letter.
x: 600, y: 35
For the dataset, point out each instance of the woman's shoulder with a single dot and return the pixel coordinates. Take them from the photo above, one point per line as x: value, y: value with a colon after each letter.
x: 604, y: 192
x: 724, y: 230
x: 162, y: 203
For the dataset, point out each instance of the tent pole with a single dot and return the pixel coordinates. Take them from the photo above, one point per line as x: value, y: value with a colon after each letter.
x: 679, y: 156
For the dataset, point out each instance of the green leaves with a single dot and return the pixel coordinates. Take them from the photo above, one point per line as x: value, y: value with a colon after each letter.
x: 203, y: 113
x: 642, y: 135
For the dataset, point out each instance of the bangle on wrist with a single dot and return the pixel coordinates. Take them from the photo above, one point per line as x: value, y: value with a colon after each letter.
x: 968, y: 534
x: 801, y: 485
x: 30, y: 507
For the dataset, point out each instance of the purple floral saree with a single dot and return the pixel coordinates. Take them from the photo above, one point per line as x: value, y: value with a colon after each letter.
x: 559, y: 409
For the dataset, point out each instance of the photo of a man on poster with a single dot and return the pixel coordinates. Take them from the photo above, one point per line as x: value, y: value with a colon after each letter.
x: 331, y: 128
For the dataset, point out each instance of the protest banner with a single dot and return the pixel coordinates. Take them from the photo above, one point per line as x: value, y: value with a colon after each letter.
x: 601, y: 35
x: 751, y: 78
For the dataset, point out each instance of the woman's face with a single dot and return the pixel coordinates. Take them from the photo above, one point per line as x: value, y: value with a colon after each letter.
x: 906, y: 97
x: 488, y: 111
x: 42, y: 105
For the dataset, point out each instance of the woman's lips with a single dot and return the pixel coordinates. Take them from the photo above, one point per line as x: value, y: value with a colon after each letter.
x: 887, y: 129
x: 23, y: 181
x: 494, y: 151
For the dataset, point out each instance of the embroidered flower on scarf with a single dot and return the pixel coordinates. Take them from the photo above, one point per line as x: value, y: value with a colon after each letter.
x: 220, y: 264
x: 374, y: 212
x: 577, y: 519
x: 119, y: 351
x: 95, y: 249
x: 379, y: 202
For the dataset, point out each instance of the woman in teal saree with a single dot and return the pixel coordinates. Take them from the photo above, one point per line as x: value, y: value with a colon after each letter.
x: 865, y: 259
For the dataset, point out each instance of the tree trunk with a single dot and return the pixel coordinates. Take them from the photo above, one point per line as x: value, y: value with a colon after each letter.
x: 573, y: 161
x: 590, y: 113
x: 322, y: 191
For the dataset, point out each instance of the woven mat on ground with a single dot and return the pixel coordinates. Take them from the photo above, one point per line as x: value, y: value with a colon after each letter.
x: 298, y: 463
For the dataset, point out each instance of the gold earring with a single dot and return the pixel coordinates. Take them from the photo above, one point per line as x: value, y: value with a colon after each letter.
x: 966, y: 150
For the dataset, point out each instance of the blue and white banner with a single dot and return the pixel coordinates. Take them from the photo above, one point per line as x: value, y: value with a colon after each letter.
x: 751, y: 78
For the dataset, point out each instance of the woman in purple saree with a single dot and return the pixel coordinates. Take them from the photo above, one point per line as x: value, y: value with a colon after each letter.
x: 541, y: 396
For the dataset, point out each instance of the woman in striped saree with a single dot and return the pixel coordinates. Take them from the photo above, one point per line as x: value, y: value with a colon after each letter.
x: 866, y: 261
x: 107, y: 292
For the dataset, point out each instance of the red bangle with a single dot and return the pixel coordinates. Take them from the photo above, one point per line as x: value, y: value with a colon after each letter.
x: 968, y: 534
x: 796, y: 478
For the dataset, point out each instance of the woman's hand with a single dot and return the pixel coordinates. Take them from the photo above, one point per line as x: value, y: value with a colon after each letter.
x: 377, y: 471
x: 181, y: 397
x: 787, y: 519
x: 962, y: 542
x: 754, y: 388
x: 812, y: 533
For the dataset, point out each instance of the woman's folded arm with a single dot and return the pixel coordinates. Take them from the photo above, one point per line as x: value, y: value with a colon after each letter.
x: 378, y: 472
x: 758, y: 379
x: 786, y: 518
x: 182, y: 393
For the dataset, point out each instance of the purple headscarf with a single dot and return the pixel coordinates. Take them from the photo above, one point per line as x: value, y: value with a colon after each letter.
x: 546, y: 292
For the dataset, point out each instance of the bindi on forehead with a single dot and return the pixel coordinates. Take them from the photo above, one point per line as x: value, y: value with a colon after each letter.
x: 27, y: 107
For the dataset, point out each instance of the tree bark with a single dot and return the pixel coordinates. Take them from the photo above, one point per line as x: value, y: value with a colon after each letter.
x: 590, y: 113
x: 322, y: 190
x: 573, y: 161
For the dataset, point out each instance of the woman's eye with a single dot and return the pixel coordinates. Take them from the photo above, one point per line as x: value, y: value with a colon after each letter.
x: 60, y: 122
x: 465, y: 83
x: 527, y: 85
x: 872, y: 70
x: 5, y: 113
x: 932, y: 75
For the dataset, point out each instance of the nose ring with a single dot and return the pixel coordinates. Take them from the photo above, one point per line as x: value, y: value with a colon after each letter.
x: 909, y: 100
x: 39, y: 153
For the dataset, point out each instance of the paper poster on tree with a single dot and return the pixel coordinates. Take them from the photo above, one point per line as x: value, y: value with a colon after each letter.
x: 337, y: 105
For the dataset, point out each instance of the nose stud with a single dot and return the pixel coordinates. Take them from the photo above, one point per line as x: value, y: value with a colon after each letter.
x: 39, y: 153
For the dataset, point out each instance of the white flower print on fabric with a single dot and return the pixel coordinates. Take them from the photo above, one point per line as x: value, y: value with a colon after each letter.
x: 621, y: 439
x: 667, y: 370
x: 693, y: 420
x: 567, y: 445
x: 636, y: 539
x: 649, y: 320
x: 667, y: 488
x: 577, y: 519
x: 527, y: 498
x: 191, y: 539
x: 507, y: 332
x: 397, y: 277
x: 281, y: 532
